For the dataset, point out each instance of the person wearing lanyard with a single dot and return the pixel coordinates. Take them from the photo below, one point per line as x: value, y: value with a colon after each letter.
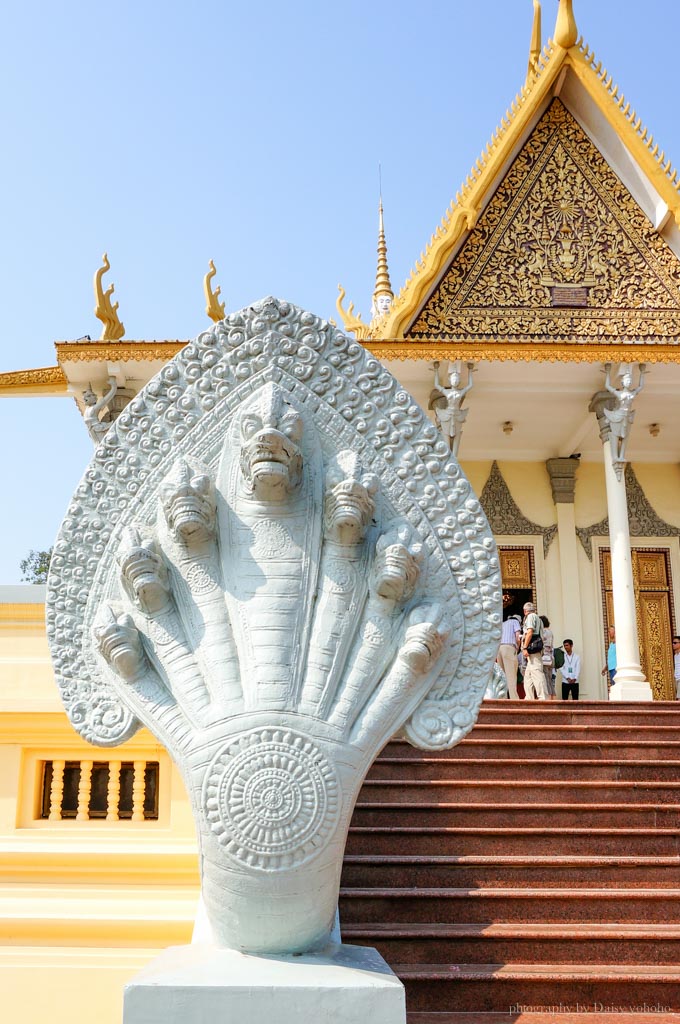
x: 571, y: 670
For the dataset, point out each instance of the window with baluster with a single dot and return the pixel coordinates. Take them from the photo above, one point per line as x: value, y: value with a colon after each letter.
x: 89, y: 790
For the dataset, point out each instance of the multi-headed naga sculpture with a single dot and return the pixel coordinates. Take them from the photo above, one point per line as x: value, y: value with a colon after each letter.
x: 275, y: 565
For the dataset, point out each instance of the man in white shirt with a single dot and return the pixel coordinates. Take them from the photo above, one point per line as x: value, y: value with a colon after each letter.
x: 507, y: 653
x: 676, y: 664
x: 571, y: 670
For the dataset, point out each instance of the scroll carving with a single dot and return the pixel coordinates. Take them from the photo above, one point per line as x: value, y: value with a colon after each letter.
x: 504, y: 514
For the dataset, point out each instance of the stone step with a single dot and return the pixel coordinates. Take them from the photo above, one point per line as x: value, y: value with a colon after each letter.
x: 518, y: 942
x: 521, y: 815
x: 439, y: 905
x: 523, y: 749
x: 580, y: 712
x: 455, y: 841
x: 596, y: 988
x: 469, y: 769
x: 518, y: 791
x: 566, y: 872
x: 566, y: 732
x: 478, y: 744
x: 551, y: 1017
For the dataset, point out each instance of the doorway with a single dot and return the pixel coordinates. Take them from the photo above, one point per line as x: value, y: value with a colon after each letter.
x: 517, y: 578
x: 653, y: 612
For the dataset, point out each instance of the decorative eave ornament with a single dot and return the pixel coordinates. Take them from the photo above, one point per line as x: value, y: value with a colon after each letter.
x: 105, y: 310
x: 535, y: 47
x: 566, y: 32
x: 213, y: 307
x: 275, y: 565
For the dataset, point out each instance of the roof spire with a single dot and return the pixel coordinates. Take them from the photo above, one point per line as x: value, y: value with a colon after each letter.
x: 383, y: 294
x: 566, y: 32
x: 536, y: 42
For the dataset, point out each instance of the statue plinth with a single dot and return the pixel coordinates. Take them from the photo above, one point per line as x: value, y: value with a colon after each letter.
x: 192, y: 984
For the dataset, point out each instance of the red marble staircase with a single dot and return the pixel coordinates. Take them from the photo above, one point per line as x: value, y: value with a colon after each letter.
x: 532, y: 873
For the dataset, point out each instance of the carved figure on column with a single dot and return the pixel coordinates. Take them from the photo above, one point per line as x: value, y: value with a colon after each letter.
x: 97, y: 427
x: 447, y: 403
x: 274, y: 565
x: 620, y: 418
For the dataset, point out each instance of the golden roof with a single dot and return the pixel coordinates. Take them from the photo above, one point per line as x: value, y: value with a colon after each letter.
x: 564, y: 52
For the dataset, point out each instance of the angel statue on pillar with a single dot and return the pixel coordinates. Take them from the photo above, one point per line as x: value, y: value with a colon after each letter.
x: 447, y: 403
x: 97, y: 427
x: 620, y: 418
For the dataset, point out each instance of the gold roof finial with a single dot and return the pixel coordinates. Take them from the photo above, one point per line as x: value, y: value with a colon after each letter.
x: 383, y: 295
x: 104, y: 310
x: 566, y: 32
x: 536, y: 43
x: 213, y: 307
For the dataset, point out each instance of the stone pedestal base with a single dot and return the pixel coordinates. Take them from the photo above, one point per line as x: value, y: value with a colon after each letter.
x: 631, y: 689
x: 198, y: 984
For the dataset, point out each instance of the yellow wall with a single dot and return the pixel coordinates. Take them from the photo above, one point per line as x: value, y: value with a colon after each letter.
x: 83, y: 905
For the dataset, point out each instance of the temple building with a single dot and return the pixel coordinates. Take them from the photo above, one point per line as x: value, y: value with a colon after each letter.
x: 540, y: 328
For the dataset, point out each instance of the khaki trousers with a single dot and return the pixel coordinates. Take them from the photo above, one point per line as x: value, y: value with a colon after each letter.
x: 535, y: 686
x: 507, y: 659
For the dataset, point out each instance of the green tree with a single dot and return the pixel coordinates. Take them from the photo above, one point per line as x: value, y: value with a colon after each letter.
x: 35, y: 566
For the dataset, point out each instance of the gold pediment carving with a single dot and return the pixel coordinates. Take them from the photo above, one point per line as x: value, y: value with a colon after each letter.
x: 561, y: 251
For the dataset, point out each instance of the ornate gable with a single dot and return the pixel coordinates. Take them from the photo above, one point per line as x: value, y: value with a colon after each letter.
x: 561, y: 251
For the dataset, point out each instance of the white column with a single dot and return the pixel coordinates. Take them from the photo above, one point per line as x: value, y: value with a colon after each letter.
x: 562, y: 474
x: 630, y: 682
x: 571, y: 588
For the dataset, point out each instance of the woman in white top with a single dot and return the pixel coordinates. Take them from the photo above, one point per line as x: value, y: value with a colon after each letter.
x: 548, y: 656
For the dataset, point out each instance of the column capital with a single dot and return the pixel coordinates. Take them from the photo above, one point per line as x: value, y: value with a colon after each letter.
x: 562, y: 473
x: 600, y: 401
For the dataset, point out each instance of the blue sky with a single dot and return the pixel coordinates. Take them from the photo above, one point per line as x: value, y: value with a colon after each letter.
x: 169, y: 134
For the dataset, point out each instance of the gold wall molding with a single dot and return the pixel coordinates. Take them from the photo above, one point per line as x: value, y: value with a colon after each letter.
x: 49, y: 378
x: 561, y: 251
x: 542, y: 350
x: 135, y: 351
x: 23, y: 613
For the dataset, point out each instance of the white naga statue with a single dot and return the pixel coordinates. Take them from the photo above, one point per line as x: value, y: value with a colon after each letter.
x: 96, y: 427
x: 447, y: 403
x: 620, y: 418
x: 275, y: 565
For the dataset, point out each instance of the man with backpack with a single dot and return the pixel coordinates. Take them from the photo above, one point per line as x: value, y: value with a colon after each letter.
x: 535, y: 687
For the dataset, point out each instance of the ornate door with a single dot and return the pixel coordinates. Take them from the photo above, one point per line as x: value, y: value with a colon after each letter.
x: 652, y: 582
x: 517, y: 573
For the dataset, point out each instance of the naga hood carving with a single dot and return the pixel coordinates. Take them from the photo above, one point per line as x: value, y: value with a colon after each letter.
x: 274, y: 563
